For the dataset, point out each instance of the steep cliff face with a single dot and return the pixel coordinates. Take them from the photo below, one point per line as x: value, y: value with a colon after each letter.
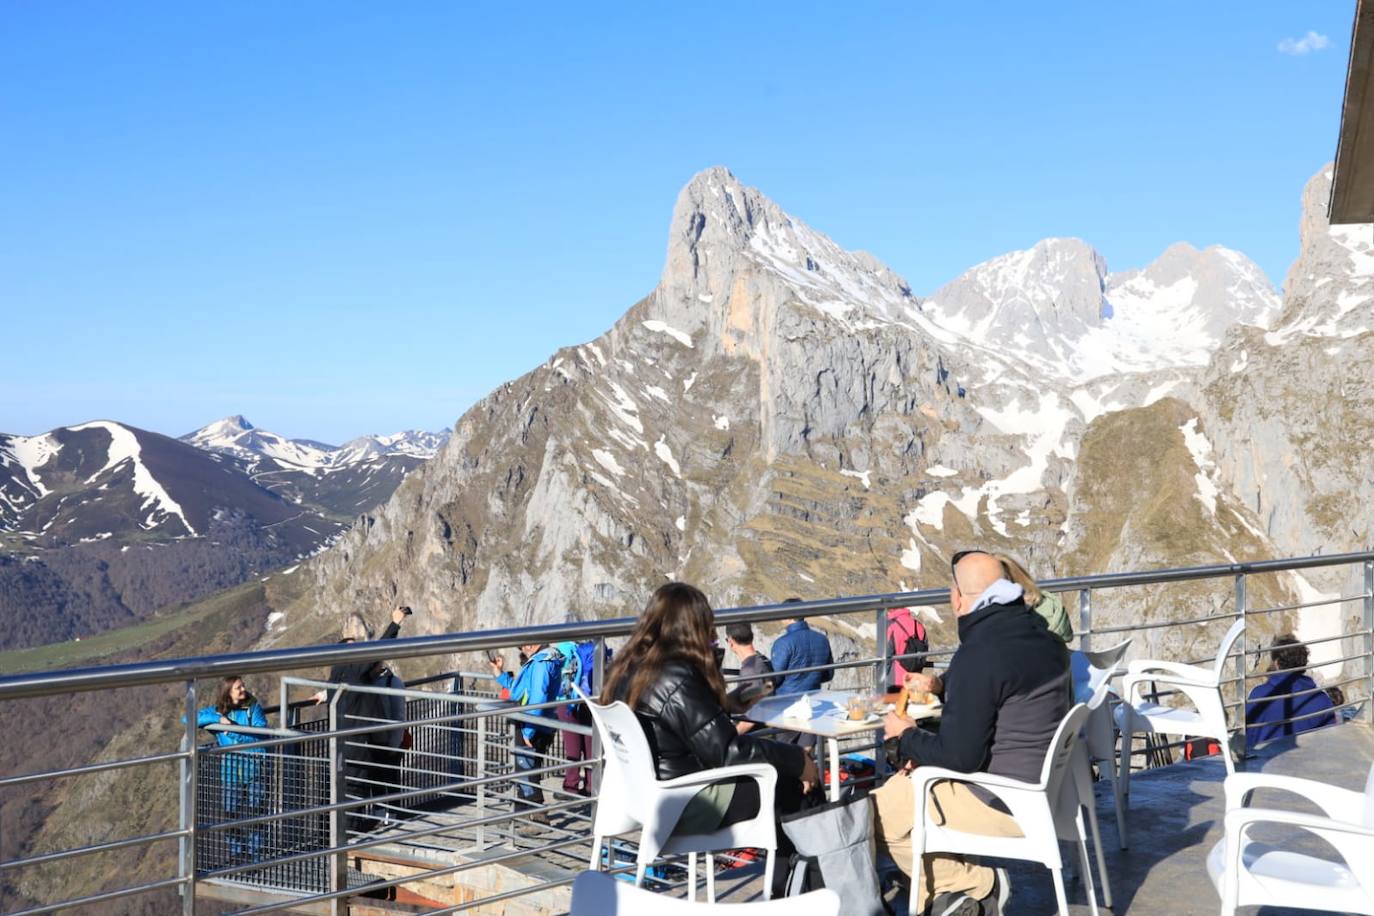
x: 783, y: 417
x: 1293, y: 408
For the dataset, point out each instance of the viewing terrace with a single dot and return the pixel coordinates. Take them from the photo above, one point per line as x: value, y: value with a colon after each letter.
x: 442, y: 833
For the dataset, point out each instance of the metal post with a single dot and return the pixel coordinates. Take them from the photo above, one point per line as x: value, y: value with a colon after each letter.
x: 1369, y: 639
x: 1242, y: 613
x: 884, y: 664
x: 1085, y: 619
x: 338, y: 820
x: 186, y: 860
x: 481, y: 802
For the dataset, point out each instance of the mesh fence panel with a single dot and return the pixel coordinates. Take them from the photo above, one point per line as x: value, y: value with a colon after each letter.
x: 243, y: 784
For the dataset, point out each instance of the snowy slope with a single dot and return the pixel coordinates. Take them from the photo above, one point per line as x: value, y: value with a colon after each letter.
x: 1055, y: 307
x: 236, y: 436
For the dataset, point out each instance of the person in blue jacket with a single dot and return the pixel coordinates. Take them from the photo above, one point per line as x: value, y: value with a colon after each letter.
x: 243, y: 776
x: 537, y: 683
x: 1289, y: 701
x: 799, y: 646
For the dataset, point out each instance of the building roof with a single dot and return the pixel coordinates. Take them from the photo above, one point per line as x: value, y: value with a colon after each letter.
x: 1352, y: 188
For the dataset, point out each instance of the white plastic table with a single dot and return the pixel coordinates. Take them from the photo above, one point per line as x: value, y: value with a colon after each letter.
x: 829, y: 720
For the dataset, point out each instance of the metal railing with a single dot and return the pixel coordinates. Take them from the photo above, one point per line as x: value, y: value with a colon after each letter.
x: 292, y: 813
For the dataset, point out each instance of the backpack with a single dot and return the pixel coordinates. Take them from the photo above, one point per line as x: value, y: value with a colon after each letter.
x: 902, y: 641
x: 578, y: 668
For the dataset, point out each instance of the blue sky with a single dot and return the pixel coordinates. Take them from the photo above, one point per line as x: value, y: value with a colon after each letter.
x: 339, y: 218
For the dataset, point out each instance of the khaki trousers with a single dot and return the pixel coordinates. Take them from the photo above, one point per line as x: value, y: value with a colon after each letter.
x: 954, y: 806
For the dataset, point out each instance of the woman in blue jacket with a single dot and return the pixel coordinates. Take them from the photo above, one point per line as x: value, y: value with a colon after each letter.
x: 243, y: 773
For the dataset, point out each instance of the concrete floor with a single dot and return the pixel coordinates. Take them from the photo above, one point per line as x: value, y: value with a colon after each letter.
x: 1175, y: 818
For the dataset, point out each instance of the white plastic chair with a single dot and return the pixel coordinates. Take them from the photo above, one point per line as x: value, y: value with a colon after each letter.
x: 1246, y: 871
x: 1040, y: 809
x: 595, y: 894
x: 632, y: 796
x: 1201, y: 686
x: 1092, y: 676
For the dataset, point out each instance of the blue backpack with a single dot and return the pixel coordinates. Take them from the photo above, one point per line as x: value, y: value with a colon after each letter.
x: 578, y: 667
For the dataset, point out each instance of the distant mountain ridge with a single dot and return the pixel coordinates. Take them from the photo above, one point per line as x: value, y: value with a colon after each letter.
x: 234, y: 435
x: 338, y: 481
x: 102, y: 523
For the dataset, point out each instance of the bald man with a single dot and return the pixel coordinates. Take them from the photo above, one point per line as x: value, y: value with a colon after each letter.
x: 1005, y: 693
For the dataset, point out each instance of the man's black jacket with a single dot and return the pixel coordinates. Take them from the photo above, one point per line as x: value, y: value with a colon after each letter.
x: 1007, y: 688
x: 357, y: 709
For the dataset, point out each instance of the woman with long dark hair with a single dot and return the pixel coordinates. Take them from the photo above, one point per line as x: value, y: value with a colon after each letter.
x: 242, y: 773
x: 667, y: 673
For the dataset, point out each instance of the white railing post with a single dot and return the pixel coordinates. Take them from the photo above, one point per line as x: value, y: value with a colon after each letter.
x: 1369, y: 640
x: 1085, y: 619
x: 338, y: 820
x: 186, y: 860
x: 1242, y: 613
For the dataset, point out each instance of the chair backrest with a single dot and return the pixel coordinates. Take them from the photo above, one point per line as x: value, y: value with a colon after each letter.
x: 1369, y: 799
x: 625, y: 750
x: 1057, y: 757
x: 1092, y: 673
x: 1227, y: 642
x: 597, y: 894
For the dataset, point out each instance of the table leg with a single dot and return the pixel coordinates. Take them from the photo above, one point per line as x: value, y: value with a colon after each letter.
x: 834, y: 744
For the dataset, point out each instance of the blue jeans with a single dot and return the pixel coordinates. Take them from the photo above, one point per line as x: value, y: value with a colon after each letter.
x: 526, y: 760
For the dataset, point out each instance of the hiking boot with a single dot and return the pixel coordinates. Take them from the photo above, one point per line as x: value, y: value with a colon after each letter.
x: 535, y: 824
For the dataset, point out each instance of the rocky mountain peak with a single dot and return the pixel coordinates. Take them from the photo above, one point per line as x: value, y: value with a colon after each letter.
x: 1330, y: 287
x: 731, y: 250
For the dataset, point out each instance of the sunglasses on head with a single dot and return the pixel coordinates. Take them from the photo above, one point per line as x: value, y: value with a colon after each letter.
x: 959, y: 555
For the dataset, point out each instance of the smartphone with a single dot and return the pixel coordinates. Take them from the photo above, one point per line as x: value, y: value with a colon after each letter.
x: 491, y: 655
x: 407, y: 611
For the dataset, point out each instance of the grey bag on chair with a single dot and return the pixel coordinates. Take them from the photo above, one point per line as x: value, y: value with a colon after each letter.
x: 838, y: 838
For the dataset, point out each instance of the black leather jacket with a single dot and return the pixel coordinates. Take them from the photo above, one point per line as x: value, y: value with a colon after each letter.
x: 688, y: 730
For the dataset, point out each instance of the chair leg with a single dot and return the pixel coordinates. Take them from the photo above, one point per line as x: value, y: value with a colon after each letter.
x: 1101, y: 858
x: 1119, y: 802
x: 1059, y: 893
x: 596, y: 854
x: 1123, y: 777
x: 1085, y: 864
x: 710, y: 878
x: 770, y: 861
x: 692, y: 877
x: 640, y: 867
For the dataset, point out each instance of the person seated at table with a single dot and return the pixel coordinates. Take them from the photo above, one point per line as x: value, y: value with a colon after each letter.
x: 1289, y: 701
x: 752, y: 663
x: 667, y: 674
x: 1005, y: 692
x: 799, y: 646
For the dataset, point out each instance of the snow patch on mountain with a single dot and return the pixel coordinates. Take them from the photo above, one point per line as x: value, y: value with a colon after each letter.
x: 31, y: 453
x: 1201, y: 450
x: 124, y: 446
x: 662, y: 328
